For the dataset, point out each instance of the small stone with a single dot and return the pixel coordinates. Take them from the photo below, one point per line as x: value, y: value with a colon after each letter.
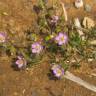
x: 88, y: 23
x: 23, y: 91
x: 78, y: 3
x: 77, y: 22
x: 93, y: 42
x: 78, y: 25
x: 5, y: 13
x: 73, y: 61
x: 88, y: 7
x: 90, y: 60
x: 67, y: 61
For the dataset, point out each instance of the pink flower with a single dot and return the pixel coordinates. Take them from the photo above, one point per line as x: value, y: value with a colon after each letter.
x: 20, y: 62
x: 61, y: 38
x: 55, y: 19
x: 36, y: 47
x: 57, y: 70
x: 2, y: 37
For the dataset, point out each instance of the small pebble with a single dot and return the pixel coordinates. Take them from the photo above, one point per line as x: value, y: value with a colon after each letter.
x: 5, y: 13
x: 77, y: 23
x: 78, y: 3
x: 73, y: 61
x: 23, y: 91
x: 67, y: 61
x: 90, y: 60
x: 93, y: 42
x: 88, y: 8
x: 88, y: 22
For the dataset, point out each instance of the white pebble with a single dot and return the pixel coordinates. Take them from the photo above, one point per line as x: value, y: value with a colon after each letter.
x: 79, y: 3
x: 90, y: 60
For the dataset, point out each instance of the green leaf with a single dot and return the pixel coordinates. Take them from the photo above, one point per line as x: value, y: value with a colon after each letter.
x: 13, y: 50
x: 58, y: 29
x: 47, y: 38
x: 65, y: 66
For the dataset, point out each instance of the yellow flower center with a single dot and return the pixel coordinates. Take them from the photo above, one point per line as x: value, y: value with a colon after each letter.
x: 62, y: 38
x: 59, y: 71
x: 21, y: 62
x: 37, y: 47
x: 2, y: 38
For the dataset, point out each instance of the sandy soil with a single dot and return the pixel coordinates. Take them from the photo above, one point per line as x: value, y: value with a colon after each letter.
x: 17, y: 16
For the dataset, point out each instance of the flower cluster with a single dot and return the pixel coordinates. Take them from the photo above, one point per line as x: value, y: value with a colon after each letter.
x: 37, y: 48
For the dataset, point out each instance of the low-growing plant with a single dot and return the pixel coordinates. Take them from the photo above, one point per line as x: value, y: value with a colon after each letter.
x: 56, y: 39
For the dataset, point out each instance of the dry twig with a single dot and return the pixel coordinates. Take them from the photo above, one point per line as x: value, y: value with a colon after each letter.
x: 64, y: 11
x: 79, y: 81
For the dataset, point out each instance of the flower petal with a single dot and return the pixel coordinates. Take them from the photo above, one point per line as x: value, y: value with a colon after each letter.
x: 60, y: 42
x: 20, y: 65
